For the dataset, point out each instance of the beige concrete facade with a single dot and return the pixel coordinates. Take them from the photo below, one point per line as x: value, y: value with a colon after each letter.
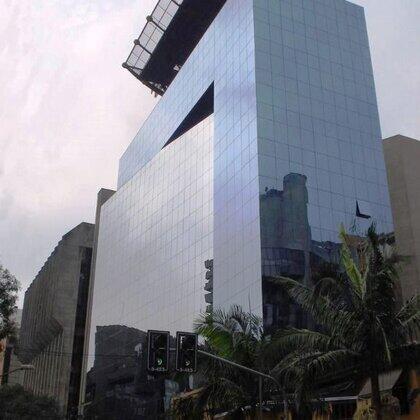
x: 402, y: 157
x: 53, y: 321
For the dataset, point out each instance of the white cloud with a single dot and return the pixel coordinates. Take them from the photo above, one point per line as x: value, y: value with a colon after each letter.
x: 394, y: 34
x: 68, y: 110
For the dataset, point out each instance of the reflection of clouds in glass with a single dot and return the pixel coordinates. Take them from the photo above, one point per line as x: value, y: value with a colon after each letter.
x: 156, y: 232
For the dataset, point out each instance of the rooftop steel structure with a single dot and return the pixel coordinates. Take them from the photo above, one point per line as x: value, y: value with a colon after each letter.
x: 170, y: 35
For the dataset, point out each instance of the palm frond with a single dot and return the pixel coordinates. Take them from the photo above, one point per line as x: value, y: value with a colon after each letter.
x: 337, y: 321
x: 356, y: 278
x: 384, y: 265
x: 292, y: 339
x: 318, y: 368
x: 360, y: 328
x: 331, y: 361
x: 385, y: 343
x: 330, y: 287
x: 409, y: 316
x: 339, y: 290
x: 216, y: 333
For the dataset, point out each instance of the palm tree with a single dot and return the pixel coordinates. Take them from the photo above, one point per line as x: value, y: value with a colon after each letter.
x: 362, y: 329
x: 238, y: 336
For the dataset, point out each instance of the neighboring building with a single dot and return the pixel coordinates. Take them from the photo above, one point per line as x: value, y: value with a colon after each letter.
x: 53, y: 321
x: 265, y: 140
x: 9, y: 362
x: 402, y: 156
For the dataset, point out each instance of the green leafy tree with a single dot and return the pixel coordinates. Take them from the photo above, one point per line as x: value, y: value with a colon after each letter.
x: 9, y: 287
x: 362, y: 329
x: 238, y: 336
x: 16, y: 403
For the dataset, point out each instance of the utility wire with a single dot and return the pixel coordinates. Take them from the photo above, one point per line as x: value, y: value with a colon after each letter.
x: 61, y: 353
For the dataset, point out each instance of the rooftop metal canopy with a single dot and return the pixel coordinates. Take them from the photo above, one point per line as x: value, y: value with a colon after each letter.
x: 171, y: 33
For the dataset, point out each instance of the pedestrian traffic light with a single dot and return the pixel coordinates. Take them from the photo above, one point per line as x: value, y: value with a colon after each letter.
x: 186, y: 352
x: 158, y: 351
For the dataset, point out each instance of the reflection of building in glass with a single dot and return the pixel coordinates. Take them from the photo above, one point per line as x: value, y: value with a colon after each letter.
x: 287, y: 248
x: 118, y: 384
x: 285, y: 225
x: 113, y: 384
x: 266, y: 139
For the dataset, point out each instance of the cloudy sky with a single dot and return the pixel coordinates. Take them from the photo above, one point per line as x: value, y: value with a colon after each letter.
x: 68, y: 110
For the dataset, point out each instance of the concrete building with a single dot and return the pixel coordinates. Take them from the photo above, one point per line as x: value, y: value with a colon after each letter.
x: 402, y: 156
x: 266, y: 139
x: 53, y: 321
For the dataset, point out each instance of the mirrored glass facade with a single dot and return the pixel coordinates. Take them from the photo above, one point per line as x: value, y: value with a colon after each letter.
x: 317, y: 111
x: 156, y: 232
x: 291, y: 151
x: 320, y: 154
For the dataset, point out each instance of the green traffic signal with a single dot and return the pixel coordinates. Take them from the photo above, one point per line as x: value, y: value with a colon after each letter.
x: 158, y: 351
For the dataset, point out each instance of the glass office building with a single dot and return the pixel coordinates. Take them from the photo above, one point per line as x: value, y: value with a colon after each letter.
x: 266, y: 139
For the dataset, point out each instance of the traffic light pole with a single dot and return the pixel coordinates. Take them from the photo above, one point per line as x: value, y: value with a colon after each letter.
x: 260, y: 375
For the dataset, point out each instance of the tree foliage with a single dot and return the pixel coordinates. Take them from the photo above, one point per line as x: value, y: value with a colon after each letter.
x: 363, y: 330
x: 237, y: 336
x: 9, y: 287
x: 16, y: 403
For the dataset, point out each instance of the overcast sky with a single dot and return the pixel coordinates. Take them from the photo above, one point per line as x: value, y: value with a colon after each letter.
x: 68, y: 110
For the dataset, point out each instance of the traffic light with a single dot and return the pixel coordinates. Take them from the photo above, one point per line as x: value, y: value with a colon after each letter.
x: 158, y: 351
x: 208, y: 287
x: 186, y: 352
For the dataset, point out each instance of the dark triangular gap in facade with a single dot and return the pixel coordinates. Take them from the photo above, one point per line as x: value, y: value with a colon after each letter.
x: 201, y: 110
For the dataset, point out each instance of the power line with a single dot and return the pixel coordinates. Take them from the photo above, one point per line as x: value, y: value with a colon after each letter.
x: 61, y: 353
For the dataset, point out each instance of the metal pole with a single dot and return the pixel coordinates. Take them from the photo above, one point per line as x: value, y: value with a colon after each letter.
x: 237, y: 365
x: 253, y: 372
x: 13, y: 371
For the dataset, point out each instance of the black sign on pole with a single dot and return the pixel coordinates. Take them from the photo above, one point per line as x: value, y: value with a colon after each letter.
x: 186, y: 352
x: 157, y: 351
x: 208, y: 287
